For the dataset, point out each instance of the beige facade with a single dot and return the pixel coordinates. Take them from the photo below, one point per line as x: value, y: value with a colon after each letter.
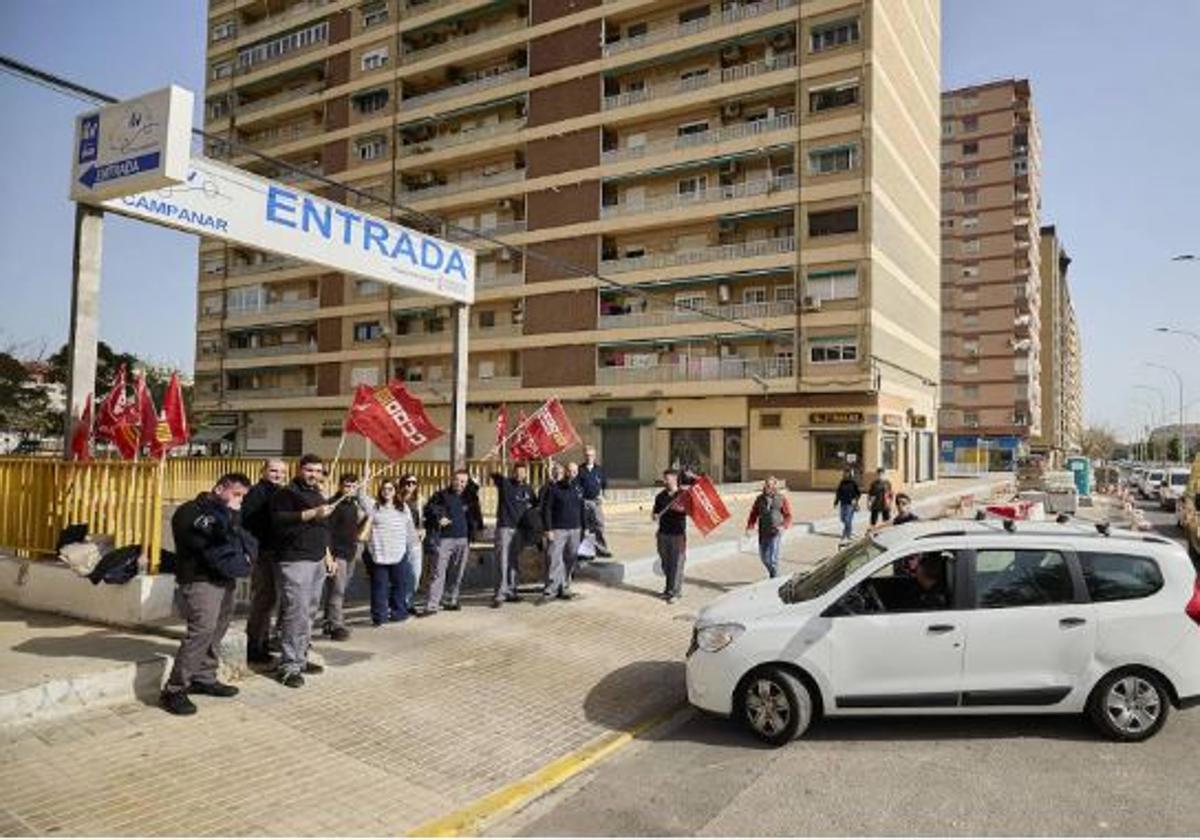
x: 1062, y: 386
x: 710, y: 228
x: 992, y: 343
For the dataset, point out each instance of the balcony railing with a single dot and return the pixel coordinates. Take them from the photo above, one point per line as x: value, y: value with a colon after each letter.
x: 462, y: 137
x: 675, y: 201
x: 301, y: 173
x: 293, y: 14
x: 267, y: 264
x: 271, y: 350
x: 472, y: 182
x: 692, y: 315
x: 496, y: 383
x: 280, y: 98
x: 502, y: 228
x: 467, y: 87
x: 301, y: 305
x: 736, y: 251
x: 284, y: 134
x: 484, y: 34
x: 714, y: 136
x: 271, y: 393
x: 730, y: 74
x: 696, y: 369
x: 672, y: 31
x: 499, y: 280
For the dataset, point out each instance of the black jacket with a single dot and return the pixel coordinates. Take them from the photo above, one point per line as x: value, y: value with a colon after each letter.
x: 592, y: 481
x: 513, y: 498
x: 878, y: 492
x: 209, y: 544
x: 441, y: 505
x: 847, y: 492
x: 672, y: 522
x: 562, y: 506
x: 256, y: 514
x: 344, y: 526
x: 296, y: 540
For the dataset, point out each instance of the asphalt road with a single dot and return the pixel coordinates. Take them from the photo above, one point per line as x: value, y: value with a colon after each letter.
x: 927, y: 776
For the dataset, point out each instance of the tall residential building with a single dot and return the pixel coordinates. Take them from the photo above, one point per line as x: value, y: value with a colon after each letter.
x: 991, y: 277
x: 1062, y: 387
x: 710, y: 228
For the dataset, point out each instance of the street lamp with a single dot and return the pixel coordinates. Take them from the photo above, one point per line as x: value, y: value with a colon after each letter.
x: 1146, y: 444
x: 1187, y: 333
x: 1162, y: 399
x: 1182, y: 435
x: 1183, y: 258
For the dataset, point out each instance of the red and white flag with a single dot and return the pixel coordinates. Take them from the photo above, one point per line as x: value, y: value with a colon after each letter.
x: 81, y: 439
x: 391, y: 418
x: 117, y: 419
x: 501, y: 426
x: 703, y: 504
x: 546, y: 432
x: 172, y: 427
x: 147, y: 414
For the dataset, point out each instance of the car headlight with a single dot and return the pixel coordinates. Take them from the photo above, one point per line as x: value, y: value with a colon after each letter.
x: 716, y: 637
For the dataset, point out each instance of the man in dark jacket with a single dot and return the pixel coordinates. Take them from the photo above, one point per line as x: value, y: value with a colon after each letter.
x: 845, y: 499
x: 344, y: 527
x: 211, y: 552
x: 453, y: 518
x: 670, y: 512
x: 563, y: 515
x: 514, y: 497
x: 256, y: 518
x: 879, y: 495
x: 300, y: 518
x: 593, y: 482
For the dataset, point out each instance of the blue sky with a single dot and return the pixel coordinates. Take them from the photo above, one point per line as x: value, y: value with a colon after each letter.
x: 1121, y: 174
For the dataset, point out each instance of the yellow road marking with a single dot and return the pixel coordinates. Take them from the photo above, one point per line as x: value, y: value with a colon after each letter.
x: 466, y: 822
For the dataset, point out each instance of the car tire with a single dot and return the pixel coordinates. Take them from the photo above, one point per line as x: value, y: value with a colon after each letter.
x: 776, y: 706
x: 1129, y: 705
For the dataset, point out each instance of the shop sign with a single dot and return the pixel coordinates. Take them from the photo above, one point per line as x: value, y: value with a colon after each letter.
x: 835, y: 418
x: 920, y: 421
x: 893, y: 420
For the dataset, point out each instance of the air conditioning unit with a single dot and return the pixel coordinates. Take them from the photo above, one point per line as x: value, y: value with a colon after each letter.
x: 731, y: 110
x: 811, y: 303
x: 723, y: 293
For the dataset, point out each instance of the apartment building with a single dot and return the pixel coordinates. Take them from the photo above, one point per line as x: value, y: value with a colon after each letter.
x: 1062, y: 386
x: 991, y: 273
x: 710, y: 228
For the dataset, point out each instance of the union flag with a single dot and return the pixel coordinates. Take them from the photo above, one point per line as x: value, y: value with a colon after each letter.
x: 392, y: 419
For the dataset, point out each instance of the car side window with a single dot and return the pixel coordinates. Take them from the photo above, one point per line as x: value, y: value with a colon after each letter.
x: 1119, y: 577
x: 1021, y: 578
x: 921, y: 582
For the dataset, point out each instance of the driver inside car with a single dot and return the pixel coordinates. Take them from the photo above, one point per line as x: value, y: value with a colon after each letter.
x: 930, y: 579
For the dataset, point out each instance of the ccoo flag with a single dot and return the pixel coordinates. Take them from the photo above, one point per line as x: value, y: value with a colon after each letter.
x: 546, y: 432
x: 391, y: 418
x: 704, y: 505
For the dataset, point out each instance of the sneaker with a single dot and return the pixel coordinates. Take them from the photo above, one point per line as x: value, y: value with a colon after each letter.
x: 427, y: 613
x: 177, y: 703
x: 454, y: 607
x: 339, y: 634
x: 603, y: 552
x: 213, y: 689
x: 313, y: 668
x: 291, y: 680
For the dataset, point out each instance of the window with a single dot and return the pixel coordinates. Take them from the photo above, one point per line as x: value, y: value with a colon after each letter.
x: 970, y: 123
x: 833, y: 222
x: 971, y: 148
x: 970, y: 271
x: 371, y: 101
x: 374, y: 14
x: 834, y: 451
x: 696, y: 13
x: 367, y: 331
x: 832, y: 35
x: 487, y: 318
x: 223, y: 30
x: 371, y: 148
x: 785, y: 293
x: 1021, y: 166
x: 970, y: 392
x: 693, y: 78
x: 637, y: 30
x: 971, y: 419
x: 635, y: 85
x: 947, y: 128
x: 970, y: 246
x: 374, y: 59
x: 772, y: 420
x: 688, y: 129
x: 970, y: 222
x: 832, y: 159
x: 691, y: 301
x: 832, y: 351
x: 834, y: 96
x: 918, y: 583
x: 282, y: 45
x: 693, y: 187
x: 1021, y: 578
x: 487, y: 369
x: 832, y: 285
x: 970, y: 173
x: 970, y: 198
x: 222, y: 70
x: 757, y: 294
x: 363, y: 287
x: 247, y: 299
x: 364, y: 376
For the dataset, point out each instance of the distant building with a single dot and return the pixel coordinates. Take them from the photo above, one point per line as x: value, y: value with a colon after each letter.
x: 1061, y: 371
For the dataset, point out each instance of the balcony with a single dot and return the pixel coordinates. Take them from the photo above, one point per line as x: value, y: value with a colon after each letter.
x: 704, y: 138
x: 736, y: 251
x: 497, y: 281
x: 462, y: 137
x: 301, y: 173
x: 672, y: 31
x: 732, y: 192
x: 496, y: 383
x: 466, y: 87
x: 696, y: 369
x: 484, y: 34
x: 271, y: 393
x: 472, y: 182
x: 271, y: 350
x: 283, y: 134
x: 280, y: 98
x: 710, y: 79
x: 667, y: 317
x: 294, y: 14
x: 264, y: 265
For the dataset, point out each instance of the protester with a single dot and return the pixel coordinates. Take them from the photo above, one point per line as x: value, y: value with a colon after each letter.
x: 593, y: 483
x: 845, y: 499
x: 452, y: 519
x: 211, y: 552
x: 514, y: 497
x: 561, y: 504
x: 904, y: 510
x: 772, y: 512
x: 393, y: 538
x: 671, y: 539
x: 879, y: 495
x: 256, y: 518
x: 300, y: 517
x: 344, y: 526
x: 412, y: 565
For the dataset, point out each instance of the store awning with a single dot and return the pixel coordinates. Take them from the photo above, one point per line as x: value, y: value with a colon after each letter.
x: 212, y: 434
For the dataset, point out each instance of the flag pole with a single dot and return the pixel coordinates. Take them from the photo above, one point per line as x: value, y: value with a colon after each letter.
x: 337, y: 456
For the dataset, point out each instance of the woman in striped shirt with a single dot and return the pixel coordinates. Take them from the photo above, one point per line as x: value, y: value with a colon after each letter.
x: 393, y: 539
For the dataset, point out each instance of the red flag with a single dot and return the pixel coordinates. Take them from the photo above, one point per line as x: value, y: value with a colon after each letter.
x: 522, y: 447
x: 145, y: 412
x: 547, y: 432
x: 81, y: 440
x: 117, y: 420
x: 172, y: 427
x: 501, y: 426
x: 704, y: 505
x: 391, y: 418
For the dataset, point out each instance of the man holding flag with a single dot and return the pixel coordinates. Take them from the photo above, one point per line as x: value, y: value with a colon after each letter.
x: 670, y: 512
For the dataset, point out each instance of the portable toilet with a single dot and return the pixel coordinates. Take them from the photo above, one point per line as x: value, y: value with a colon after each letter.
x: 1081, y: 468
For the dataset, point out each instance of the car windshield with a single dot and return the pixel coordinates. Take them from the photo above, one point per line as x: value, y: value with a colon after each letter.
x: 1179, y: 479
x: 804, y: 586
x: 1156, y: 476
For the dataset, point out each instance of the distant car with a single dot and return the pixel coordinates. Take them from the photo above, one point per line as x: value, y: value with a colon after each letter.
x: 27, y: 446
x: 960, y: 618
x: 1150, y: 481
x: 1173, y: 486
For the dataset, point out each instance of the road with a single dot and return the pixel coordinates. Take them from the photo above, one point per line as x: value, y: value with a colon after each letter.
x: 1015, y: 775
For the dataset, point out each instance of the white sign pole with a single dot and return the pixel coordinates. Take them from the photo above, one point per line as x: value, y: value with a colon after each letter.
x: 85, y: 317
x: 458, y: 403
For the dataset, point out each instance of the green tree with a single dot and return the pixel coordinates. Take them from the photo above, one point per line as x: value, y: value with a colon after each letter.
x: 1173, y: 448
x: 1098, y: 443
x: 24, y: 404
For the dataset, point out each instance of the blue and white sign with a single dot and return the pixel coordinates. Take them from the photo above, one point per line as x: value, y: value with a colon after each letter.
x: 132, y: 146
x: 224, y: 202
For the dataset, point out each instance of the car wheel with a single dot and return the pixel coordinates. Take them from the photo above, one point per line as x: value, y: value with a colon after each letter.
x: 776, y: 706
x: 1129, y: 705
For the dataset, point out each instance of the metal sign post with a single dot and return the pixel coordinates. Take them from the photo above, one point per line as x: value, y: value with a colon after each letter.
x: 85, y: 316
x: 458, y: 402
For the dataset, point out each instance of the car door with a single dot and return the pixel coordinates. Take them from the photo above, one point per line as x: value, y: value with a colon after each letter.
x: 908, y: 656
x: 1032, y: 634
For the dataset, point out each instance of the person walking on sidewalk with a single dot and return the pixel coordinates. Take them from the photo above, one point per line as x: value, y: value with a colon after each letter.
x: 413, y: 563
x: 514, y: 497
x: 879, y: 496
x: 452, y: 521
x: 772, y: 512
x: 300, y: 516
x: 561, y: 504
x: 393, y: 538
x: 845, y: 499
x: 593, y: 482
x: 671, y: 539
x: 904, y: 510
x: 211, y: 552
x: 344, y: 526
x: 256, y: 518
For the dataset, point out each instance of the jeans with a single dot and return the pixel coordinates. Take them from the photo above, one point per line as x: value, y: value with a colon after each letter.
x: 412, y: 565
x: 333, y: 593
x: 389, y: 591
x: 846, y: 513
x: 768, y: 552
x: 672, y: 551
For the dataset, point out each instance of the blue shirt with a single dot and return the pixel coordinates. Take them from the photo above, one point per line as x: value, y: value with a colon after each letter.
x: 592, y: 481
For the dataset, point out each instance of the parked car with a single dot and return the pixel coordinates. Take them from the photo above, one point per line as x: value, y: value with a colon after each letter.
x: 1187, y: 512
x: 1149, y: 485
x: 960, y: 618
x: 1173, y: 485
